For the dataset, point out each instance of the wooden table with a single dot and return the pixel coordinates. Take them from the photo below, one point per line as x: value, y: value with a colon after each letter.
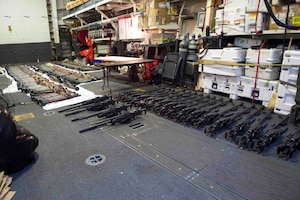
x: 116, y: 61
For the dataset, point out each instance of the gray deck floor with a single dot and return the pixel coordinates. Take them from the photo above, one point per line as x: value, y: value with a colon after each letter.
x: 158, y: 160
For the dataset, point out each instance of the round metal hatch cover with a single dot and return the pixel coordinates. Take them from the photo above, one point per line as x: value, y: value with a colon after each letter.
x: 95, y: 159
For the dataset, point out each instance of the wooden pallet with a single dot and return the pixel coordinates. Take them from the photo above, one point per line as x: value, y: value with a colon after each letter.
x: 5, y: 193
x: 73, y: 4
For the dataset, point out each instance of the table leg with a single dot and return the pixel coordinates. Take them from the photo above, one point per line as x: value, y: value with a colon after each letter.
x: 106, y: 80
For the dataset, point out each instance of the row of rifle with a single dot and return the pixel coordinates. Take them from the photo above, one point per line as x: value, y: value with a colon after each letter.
x: 249, y: 126
x: 101, y: 111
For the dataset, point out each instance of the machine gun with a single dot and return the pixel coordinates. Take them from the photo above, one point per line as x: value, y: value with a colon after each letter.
x: 241, y: 126
x: 109, y: 112
x: 226, y: 121
x: 93, y: 107
x: 127, y: 117
x: 212, y: 116
x: 245, y: 141
x: 112, y: 120
x: 270, y: 136
x: 85, y: 103
x: 290, y: 146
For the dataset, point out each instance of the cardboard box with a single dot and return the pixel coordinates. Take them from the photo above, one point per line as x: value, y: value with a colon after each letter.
x: 280, y: 14
x: 156, y: 12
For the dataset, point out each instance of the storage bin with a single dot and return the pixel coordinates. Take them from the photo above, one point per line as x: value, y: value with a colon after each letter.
x: 264, y: 72
x: 234, y: 54
x: 290, y: 73
x: 264, y: 88
x: 267, y: 56
x: 285, y: 99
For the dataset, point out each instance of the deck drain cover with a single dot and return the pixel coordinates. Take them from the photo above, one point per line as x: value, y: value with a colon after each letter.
x: 96, y: 159
x: 48, y: 113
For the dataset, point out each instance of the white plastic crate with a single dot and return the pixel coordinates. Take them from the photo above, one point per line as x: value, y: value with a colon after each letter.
x: 231, y: 84
x: 285, y: 99
x: 264, y: 72
x: 225, y: 70
x: 234, y: 54
x: 288, y: 73
x: 252, y: 25
x: 231, y: 20
x: 212, y: 82
x: 267, y: 56
x: 264, y: 88
x: 251, y: 5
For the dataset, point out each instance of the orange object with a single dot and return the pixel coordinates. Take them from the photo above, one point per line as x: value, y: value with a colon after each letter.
x: 89, y: 52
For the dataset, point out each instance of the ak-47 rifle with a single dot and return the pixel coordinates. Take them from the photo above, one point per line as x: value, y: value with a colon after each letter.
x: 226, y: 121
x: 194, y: 116
x: 206, y: 101
x: 241, y: 126
x: 214, y: 115
x: 290, y: 146
x: 102, y: 113
x: 245, y: 141
x: 270, y: 136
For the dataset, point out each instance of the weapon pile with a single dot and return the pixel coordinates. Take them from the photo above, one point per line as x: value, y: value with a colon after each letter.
x: 41, y: 89
x: 61, y: 74
x: 100, y: 112
x: 249, y: 126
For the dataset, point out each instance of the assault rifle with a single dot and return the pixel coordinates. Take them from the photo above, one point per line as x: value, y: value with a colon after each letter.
x: 226, y: 121
x: 187, y: 111
x: 270, y: 136
x: 194, y: 116
x: 241, y: 126
x: 212, y: 116
x: 290, y: 146
x: 245, y: 141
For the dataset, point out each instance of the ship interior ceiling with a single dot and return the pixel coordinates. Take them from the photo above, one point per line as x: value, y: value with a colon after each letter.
x: 117, y: 104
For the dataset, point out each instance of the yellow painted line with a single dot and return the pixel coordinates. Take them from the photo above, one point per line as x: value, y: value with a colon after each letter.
x: 139, y: 90
x: 25, y: 116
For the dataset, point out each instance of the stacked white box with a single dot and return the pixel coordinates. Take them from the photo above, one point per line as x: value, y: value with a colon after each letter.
x: 289, y: 74
x: 267, y: 57
x: 285, y: 99
x: 220, y: 83
x: 234, y: 55
x: 225, y: 70
x: 265, y: 72
x: 253, y: 25
x: 230, y: 20
x: 263, y: 92
x: 251, y: 5
x: 212, y: 82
